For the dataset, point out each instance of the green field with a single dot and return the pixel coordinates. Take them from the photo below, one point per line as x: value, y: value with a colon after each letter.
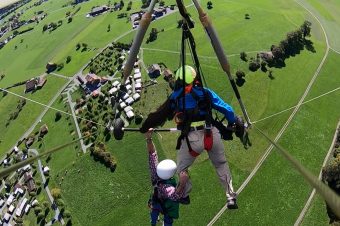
x: 275, y: 196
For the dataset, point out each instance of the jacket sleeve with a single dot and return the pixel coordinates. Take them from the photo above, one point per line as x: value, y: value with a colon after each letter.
x: 219, y: 105
x: 153, y: 162
x: 158, y: 117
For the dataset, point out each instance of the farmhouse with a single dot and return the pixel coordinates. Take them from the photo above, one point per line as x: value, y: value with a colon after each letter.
x: 99, y: 10
x: 35, y: 83
x: 92, y: 79
x: 267, y: 56
x: 29, y: 182
x: 154, y: 71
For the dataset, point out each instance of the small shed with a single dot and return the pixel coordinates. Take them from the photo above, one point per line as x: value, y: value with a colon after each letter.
x: 136, y: 96
x: 138, y: 86
x: 129, y: 101
x: 113, y: 90
x: 130, y: 115
x: 122, y: 105
x: 138, y: 80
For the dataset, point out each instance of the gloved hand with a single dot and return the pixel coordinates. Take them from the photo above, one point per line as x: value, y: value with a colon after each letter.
x: 143, y: 129
x: 239, y: 128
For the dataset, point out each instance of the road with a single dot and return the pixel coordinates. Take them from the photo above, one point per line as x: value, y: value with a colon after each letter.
x: 57, y: 211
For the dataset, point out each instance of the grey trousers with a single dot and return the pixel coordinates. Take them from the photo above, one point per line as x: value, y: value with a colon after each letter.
x: 216, y: 156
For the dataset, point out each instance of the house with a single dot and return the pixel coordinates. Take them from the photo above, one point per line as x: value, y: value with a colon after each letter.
x: 113, y: 90
x: 128, y: 108
x: 154, y: 71
x: 43, y: 131
x: 16, y: 149
x: 103, y: 80
x: 115, y: 83
x: 137, y: 76
x: 92, y: 79
x: 31, y: 85
x: 10, y: 200
x: 129, y: 101
x: 29, y: 181
x: 18, y: 191
x: 137, y: 70
x: 167, y: 74
x: 128, y: 87
x: 41, y: 81
x: 159, y: 12
x: 267, y: 56
x: 11, y: 209
x: 138, y: 80
x: 125, y: 96
x: 34, y: 203
x: 95, y: 93
x: 130, y: 115
x: 136, y: 96
x: 20, y: 209
x: 46, y: 170
x: 50, y: 66
x: 35, y: 83
x: 122, y: 105
x: 27, y: 208
x: 29, y: 142
x: 138, y: 86
x: 98, y: 10
x: 7, y: 217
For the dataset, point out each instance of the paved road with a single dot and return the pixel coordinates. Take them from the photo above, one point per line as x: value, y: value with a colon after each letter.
x: 57, y: 211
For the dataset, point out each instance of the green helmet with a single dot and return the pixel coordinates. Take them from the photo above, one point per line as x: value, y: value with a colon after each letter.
x: 190, y: 74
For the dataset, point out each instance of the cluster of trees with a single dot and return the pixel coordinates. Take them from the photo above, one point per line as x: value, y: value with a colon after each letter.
x: 15, y: 114
x: 2, y: 76
x: 60, y: 66
x: 52, y: 26
x: 331, y: 176
x: 295, y: 42
x: 83, y: 46
x: 145, y: 3
x: 152, y: 36
x: 104, y: 62
x: 100, y: 153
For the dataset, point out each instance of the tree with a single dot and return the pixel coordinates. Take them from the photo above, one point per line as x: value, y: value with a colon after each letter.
x: 306, y: 28
x: 108, y: 28
x: 254, y: 66
x: 209, y: 5
x: 69, y: 20
x: 60, y: 66
x: 68, y: 59
x: 278, y: 52
x: 60, y: 22
x: 56, y: 193
x: 240, y: 74
x: 37, y: 210
x: 57, y: 116
x: 84, y: 46
x: 246, y: 16
x: 243, y: 56
x: 78, y: 46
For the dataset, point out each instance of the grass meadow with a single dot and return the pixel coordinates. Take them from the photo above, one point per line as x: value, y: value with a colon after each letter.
x: 275, y: 196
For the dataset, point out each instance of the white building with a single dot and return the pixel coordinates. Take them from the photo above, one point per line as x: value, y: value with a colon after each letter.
x: 136, y: 96
x: 138, y: 86
x: 10, y: 200
x: 116, y: 83
x: 130, y: 114
x: 113, y: 90
x: 122, y: 105
x: 138, y: 80
x: 128, y: 108
x: 7, y: 217
x: 137, y: 75
x: 129, y: 101
x: 20, y: 209
x: 128, y: 87
x: 137, y: 70
x: 27, y: 208
x: 11, y: 209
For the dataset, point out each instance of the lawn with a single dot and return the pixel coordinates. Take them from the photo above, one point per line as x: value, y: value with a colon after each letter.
x: 29, y: 113
x: 277, y: 194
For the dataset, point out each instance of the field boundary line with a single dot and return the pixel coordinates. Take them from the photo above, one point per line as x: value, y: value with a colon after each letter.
x: 297, y: 107
x: 287, y: 109
x: 310, y: 199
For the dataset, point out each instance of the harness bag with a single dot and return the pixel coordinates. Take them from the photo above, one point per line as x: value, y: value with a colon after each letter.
x: 169, y: 207
x: 197, y: 108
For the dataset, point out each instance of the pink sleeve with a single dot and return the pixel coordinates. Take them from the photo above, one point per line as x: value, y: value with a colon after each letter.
x: 169, y: 192
x: 153, y: 162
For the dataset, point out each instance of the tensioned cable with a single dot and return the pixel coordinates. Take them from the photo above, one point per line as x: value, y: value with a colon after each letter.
x: 49, y: 107
x: 305, y: 102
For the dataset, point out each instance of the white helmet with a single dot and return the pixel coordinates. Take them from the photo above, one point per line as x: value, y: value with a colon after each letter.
x: 166, y: 169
